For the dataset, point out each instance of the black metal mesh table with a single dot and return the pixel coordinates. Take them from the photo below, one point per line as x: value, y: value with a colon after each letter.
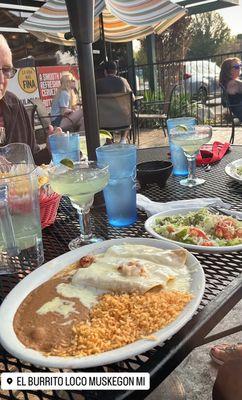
x: 223, y: 279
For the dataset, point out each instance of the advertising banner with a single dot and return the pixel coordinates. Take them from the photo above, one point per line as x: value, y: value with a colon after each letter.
x: 49, y: 81
x: 25, y: 84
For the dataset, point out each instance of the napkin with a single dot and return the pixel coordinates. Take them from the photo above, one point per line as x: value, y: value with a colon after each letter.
x: 154, y: 207
x: 211, y: 153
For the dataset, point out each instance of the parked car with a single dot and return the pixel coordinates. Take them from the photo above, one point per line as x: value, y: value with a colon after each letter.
x: 202, y: 79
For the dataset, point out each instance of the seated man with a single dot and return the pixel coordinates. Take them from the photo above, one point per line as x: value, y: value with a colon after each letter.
x: 112, y: 83
x: 14, y: 121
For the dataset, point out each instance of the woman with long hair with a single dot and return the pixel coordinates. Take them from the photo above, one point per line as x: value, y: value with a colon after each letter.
x: 230, y: 82
x: 75, y: 98
x: 61, y: 102
x: 229, y: 74
x: 65, y: 112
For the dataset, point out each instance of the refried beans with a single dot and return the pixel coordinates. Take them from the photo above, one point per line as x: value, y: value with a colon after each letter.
x: 44, y: 331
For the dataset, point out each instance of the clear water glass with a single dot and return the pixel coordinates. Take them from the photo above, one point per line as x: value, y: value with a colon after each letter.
x: 65, y: 145
x: 178, y: 158
x: 120, y: 193
x: 20, y: 228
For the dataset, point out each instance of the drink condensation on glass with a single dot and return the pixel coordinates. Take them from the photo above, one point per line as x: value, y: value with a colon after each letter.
x: 178, y: 158
x: 120, y: 193
x: 20, y: 228
x: 65, y: 145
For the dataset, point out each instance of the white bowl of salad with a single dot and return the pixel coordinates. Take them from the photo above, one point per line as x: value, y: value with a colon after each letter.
x: 197, y: 229
x: 234, y: 170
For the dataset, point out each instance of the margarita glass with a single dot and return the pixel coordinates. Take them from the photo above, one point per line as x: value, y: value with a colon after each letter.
x: 80, y: 181
x: 190, y: 139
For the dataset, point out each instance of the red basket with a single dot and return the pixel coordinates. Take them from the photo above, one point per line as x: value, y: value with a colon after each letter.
x: 48, y: 209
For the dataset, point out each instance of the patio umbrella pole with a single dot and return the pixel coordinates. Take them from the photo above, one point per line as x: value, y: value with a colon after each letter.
x: 81, y: 16
x: 103, y: 37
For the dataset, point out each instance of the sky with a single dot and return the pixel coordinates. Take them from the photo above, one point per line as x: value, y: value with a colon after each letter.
x: 233, y: 17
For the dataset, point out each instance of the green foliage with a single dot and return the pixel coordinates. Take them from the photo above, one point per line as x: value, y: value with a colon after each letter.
x: 197, y: 36
x: 150, y: 96
x: 182, y: 106
x: 231, y: 45
x: 140, y: 56
x: 209, y: 33
x: 174, y: 42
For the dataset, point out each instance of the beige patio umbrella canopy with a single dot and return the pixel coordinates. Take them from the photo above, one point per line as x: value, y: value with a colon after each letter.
x: 123, y: 20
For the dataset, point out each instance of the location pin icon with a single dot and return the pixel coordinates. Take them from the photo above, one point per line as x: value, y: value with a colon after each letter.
x: 9, y: 380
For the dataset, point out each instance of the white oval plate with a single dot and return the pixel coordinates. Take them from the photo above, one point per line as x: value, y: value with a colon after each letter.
x: 230, y: 170
x: 150, y: 223
x: 11, y: 303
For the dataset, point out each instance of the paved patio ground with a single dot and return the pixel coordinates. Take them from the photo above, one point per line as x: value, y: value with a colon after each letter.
x: 197, y: 372
x: 155, y: 137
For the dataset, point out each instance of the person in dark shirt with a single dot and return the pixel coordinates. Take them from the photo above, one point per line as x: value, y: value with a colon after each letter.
x: 15, y: 126
x: 112, y: 83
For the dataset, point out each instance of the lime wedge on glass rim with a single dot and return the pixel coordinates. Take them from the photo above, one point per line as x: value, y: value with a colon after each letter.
x: 105, y: 134
x: 181, y: 128
x: 67, y: 162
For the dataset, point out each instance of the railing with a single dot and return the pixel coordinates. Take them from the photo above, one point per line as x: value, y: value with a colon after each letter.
x: 198, y: 93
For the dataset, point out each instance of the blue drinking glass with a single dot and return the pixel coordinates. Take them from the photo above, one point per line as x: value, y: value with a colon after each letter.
x: 178, y: 158
x: 120, y: 193
x: 65, y: 145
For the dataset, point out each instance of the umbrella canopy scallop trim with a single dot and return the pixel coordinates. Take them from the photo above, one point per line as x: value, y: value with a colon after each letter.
x: 124, y: 20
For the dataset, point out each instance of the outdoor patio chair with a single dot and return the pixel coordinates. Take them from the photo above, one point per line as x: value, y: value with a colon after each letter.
x: 115, y: 113
x: 31, y: 109
x: 159, y: 111
x: 154, y: 111
x: 226, y: 104
x: 43, y: 118
x: 42, y: 122
x: 42, y: 113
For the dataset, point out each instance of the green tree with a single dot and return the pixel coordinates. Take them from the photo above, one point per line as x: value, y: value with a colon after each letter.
x: 173, y: 43
x: 209, y: 33
x: 140, y: 56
